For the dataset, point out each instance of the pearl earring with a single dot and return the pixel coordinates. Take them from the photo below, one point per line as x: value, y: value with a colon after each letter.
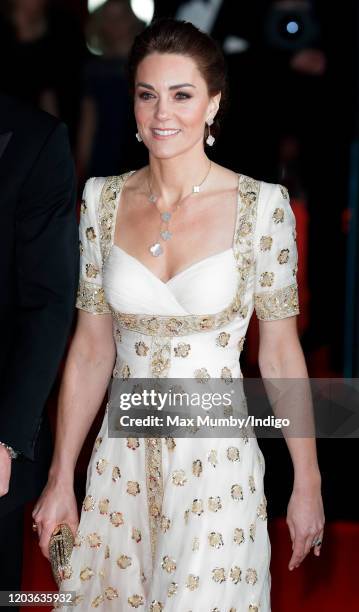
x: 210, y: 139
x: 138, y: 136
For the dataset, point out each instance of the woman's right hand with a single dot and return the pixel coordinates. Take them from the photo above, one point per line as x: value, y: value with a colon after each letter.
x: 57, y: 504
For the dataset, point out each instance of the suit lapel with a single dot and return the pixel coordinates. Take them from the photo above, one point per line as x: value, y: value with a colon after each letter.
x: 4, y: 141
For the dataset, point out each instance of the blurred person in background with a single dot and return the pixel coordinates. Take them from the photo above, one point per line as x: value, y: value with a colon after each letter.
x: 39, y: 259
x: 105, y: 109
x: 44, y: 50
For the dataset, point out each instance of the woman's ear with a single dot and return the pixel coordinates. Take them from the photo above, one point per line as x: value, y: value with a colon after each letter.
x: 214, y: 105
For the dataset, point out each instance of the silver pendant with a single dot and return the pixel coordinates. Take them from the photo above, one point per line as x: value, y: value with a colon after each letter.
x: 196, y: 189
x: 166, y: 235
x: 156, y: 249
x: 152, y: 198
x: 166, y: 216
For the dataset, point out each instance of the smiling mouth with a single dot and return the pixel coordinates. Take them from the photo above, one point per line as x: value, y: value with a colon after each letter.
x: 164, y: 133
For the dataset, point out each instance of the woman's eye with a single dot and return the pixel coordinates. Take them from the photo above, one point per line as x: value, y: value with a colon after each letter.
x: 145, y: 95
x: 181, y: 95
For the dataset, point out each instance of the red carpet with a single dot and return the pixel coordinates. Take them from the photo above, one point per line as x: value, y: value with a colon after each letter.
x: 325, y: 584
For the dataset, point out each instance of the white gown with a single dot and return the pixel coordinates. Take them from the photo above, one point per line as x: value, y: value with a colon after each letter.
x: 172, y: 524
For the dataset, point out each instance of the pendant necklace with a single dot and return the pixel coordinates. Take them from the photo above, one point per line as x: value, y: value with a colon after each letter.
x: 156, y: 248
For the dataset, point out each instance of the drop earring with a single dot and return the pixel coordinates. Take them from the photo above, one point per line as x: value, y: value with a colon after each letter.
x: 210, y: 139
x: 138, y: 136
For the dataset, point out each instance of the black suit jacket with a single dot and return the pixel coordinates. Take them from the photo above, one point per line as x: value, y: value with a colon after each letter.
x: 39, y: 274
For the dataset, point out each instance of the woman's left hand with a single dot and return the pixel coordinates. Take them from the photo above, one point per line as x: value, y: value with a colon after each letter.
x: 305, y: 520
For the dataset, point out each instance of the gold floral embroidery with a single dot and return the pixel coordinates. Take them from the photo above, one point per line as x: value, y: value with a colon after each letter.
x: 215, y: 539
x: 218, y: 574
x: 156, y: 606
x: 124, y: 561
x: 136, y: 535
x: 97, y: 601
x: 212, y: 457
x: 165, y: 524
x: 154, y: 486
x: 182, y: 349
x: 283, y: 256
x: 160, y: 359
x: 266, y: 243
x: 236, y: 492
x: 86, y: 573
x: 103, y: 505
x: 101, y: 465
x: 262, y: 511
x: 277, y: 304
x: 243, y: 252
x: 238, y: 536
x: 253, y: 608
x: 90, y: 234
x: 266, y: 279
x: 135, y: 600
x: 172, y: 589
x: 168, y: 564
x: 284, y: 192
x: 202, y: 374
x: 81, y: 248
x: 278, y: 215
x: 141, y: 349
x: 94, y: 540
x: 192, y: 582
x: 252, y: 486
x: 170, y: 443
x: 88, y: 503
x: 197, y: 467
x: 233, y: 453
x: 235, y: 574
x: 125, y: 372
x: 133, y: 487
x: 226, y: 375
x: 241, y: 343
x: 83, y: 207
x: 91, y: 297
x: 223, y: 339
x: 91, y: 270
x: 133, y: 443
x: 116, y: 473
x: 111, y: 593
x: 214, y: 504
x: 251, y: 576
x: 197, y: 507
x: 179, y: 478
x: 116, y: 518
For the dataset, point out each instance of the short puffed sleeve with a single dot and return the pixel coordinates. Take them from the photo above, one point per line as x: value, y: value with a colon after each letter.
x: 90, y: 294
x: 276, y: 256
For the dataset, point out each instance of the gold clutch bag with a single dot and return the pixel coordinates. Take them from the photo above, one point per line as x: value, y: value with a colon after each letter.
x: 60, y: 548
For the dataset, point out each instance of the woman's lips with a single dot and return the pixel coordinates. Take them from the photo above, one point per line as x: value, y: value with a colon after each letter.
x: 159, y: 134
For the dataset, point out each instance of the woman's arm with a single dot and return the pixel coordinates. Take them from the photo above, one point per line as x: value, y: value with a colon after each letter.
x: 86, y: 376
x: 281, y: 357
x: 87, y: 372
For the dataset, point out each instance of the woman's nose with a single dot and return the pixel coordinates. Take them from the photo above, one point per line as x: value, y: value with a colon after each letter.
x: 162, y: 110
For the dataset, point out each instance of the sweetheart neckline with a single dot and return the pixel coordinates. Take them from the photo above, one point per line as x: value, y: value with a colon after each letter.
x: 190, y: 267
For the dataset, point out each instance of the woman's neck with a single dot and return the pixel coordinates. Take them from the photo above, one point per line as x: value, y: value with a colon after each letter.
x: 172, y: 179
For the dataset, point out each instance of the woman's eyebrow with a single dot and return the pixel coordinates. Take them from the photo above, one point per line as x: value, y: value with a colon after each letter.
x: 179, y: 86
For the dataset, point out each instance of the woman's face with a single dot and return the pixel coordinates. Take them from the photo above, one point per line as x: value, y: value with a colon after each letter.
x: 171, y: 104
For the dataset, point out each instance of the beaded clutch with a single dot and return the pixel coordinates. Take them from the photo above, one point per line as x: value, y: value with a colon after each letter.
x: 60, y: 548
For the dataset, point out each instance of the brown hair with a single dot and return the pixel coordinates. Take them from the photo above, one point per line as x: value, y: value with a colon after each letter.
x: 183, y: 38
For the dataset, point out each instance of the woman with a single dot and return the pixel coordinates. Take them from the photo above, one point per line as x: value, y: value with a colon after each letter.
x: 172, y: 524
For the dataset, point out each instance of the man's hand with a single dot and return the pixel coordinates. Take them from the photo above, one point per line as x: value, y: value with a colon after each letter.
x: 5, y: 470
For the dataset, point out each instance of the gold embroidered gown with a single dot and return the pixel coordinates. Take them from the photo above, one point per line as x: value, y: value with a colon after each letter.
x: 172, y: 524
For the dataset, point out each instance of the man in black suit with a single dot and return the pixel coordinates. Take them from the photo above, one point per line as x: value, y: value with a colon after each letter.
x: 39, y: 273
